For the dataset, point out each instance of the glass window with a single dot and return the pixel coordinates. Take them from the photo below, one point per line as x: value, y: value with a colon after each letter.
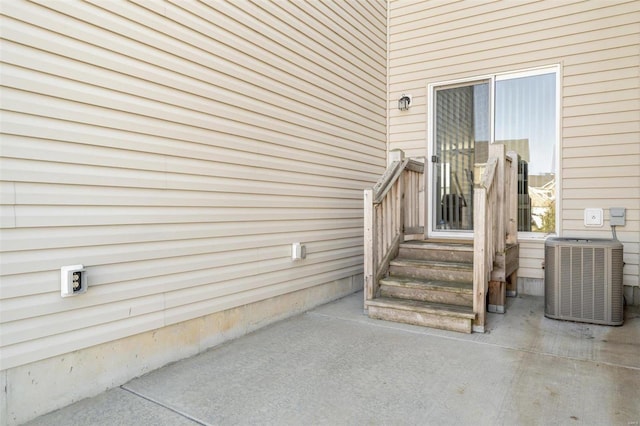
x: 524, y: 111
x: 525, y: 121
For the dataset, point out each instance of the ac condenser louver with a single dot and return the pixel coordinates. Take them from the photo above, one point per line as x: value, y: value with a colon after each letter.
x: 583, y: 280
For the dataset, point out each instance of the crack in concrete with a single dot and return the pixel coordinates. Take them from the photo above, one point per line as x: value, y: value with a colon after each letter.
x: 165, y: 406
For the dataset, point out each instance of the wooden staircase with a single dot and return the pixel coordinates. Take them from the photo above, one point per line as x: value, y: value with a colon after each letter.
x: 429, y: 284
x: 443, y: 284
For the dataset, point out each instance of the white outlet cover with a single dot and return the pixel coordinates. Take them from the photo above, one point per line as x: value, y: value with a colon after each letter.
x: 66, y: 280
x: 298, y: 251
x: 593, y: 217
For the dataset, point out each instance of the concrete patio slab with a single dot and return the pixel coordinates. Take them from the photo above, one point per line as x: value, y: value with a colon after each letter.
x: 333, y: 365
x: 114, y: 407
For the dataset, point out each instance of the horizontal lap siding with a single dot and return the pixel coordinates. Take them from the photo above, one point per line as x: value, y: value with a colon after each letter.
x: 596, y: 43
x: 531, y: 260
x: 177, y: 150
x: 601, y: 135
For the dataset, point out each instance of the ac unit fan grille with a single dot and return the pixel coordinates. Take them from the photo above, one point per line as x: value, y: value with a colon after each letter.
x: 583, y: 281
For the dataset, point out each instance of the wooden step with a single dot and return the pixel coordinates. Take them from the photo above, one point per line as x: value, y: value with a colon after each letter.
x: 440, y: 251
x: 447, y: 292
x: 426, y: 314
x: 432, y: 270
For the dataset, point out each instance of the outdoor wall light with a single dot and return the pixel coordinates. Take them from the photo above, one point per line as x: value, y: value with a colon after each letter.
x: 404, y: 102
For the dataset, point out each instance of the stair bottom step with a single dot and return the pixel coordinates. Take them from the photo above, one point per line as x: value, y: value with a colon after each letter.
x: 444, y: 317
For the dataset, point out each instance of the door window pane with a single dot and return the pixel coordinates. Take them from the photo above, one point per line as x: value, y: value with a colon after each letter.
x: 462, y: 121
x: 525, y: 121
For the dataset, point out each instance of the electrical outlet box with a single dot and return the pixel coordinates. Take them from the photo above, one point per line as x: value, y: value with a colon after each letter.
x: 617, y: 216
x: 298, y: 251
x: 73, y: 280
x: 593, y: 217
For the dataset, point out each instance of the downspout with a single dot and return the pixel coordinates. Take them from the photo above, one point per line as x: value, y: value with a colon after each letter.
x: 387, y: 81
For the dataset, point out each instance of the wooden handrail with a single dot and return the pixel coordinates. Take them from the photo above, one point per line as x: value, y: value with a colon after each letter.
x: 487, y: 179
x: 392, y: 174
x: 495, y: 222
x: 392, y: 208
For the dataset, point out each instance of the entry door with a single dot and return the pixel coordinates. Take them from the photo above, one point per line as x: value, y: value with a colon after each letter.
x: 461, y: 124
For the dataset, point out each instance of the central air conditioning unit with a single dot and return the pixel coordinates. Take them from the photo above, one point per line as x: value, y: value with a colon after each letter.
x: 583, y: 280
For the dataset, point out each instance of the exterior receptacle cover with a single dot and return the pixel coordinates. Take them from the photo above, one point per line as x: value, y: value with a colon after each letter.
x: 617, y: 216
x: 298, y: 251
x: 73, y: 280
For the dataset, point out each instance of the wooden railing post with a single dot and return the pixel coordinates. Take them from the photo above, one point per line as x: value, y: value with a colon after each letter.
x: 485, y: 231
x: 495, y: 231
x: 423, y: 204
x: 512, y: 199
x: 479, y: 258
x: 512, y: 225
x: 497, y: 150
x: 396, y: 155
x: 369, y: 245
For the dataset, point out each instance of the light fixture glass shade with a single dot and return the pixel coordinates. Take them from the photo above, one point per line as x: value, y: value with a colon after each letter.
x: 404, y: 102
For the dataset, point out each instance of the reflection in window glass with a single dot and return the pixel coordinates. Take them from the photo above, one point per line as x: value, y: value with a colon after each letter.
x: 525, y: 121
x: 461, y: 126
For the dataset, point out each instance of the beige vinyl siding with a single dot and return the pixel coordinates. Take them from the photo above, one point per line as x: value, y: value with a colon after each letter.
x: 531, y: 260
x: 176, y: 150
x: 596, y: 44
